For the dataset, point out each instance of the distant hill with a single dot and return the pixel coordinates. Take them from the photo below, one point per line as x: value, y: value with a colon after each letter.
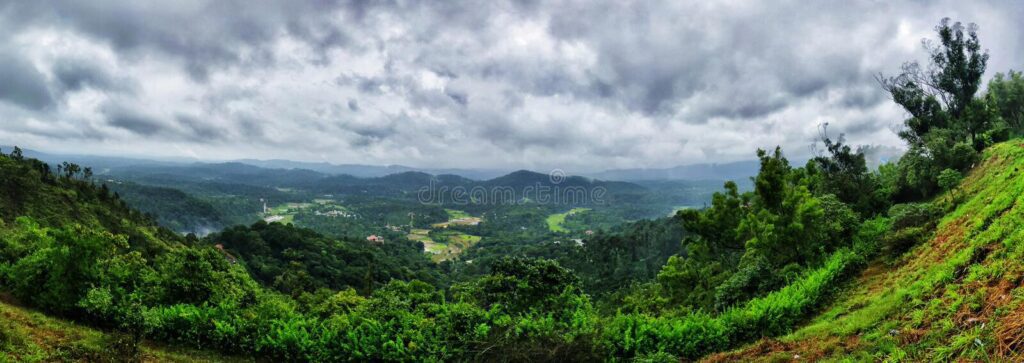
x: 256, y: 169
x: 726, y: 171
x: 370, y: 171
x: 98, y: 163
x: 738, y: 171
x: 525, y: 178
x: 230, y: 172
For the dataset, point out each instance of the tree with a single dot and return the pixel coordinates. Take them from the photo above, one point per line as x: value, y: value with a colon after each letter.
x: 770, y: 180
x: 949, y: 179
x: 958, y: 64
x: 944, y: 89
x: 64, y: 266
x: 712, y: 249
x: 1006, y: 98
x: 947, y: 125
x: 844, y: 173
x: 17, y: 154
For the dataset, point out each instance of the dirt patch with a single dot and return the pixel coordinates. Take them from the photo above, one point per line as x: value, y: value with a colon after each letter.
x: 996, y: 295
x: 873, y: 278
x: 910, y: 336
x: 7, y: 298
x: 948, y: 238
x: 760, y: 349
x: 1010, y: 335
x: 773, y: 350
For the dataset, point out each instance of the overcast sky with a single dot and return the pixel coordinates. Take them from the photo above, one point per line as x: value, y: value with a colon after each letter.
x: 521, y: 84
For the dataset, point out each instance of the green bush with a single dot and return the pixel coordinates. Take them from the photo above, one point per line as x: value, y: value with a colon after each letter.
x: 912, y: 223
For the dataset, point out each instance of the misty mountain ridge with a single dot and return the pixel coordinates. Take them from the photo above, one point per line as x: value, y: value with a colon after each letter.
x: 737, y: 171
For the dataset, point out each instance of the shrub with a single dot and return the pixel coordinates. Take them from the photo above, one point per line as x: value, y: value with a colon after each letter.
x: 913, y: 215
x: 912, y: 223
x: 949, y: 179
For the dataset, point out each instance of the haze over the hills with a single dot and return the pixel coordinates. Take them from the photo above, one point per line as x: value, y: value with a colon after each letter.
x: 505, y: 85
x: 728, y: 171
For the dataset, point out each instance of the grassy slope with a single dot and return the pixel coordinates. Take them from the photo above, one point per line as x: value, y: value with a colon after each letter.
x: 955, y: 297
x: 30, y: 336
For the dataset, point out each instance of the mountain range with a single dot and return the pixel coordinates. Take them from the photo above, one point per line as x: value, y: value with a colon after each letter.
x: 705, y: 171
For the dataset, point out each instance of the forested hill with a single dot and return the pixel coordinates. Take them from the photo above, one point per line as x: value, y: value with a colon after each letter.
x: 62, y: 195
x: 401, y: 183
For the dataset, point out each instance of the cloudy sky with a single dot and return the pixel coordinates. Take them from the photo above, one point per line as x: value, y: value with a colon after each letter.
x: 520, y: 84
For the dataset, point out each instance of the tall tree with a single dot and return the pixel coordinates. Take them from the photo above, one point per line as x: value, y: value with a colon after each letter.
x: 944, y: 90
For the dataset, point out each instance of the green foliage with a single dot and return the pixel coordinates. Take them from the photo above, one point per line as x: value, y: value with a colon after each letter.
x: 713, y: 249
x: 297, y: 260
x: 201, y: 275
x: 1005, y: 96
x: 748, y: 245
x: 949, y: 179
x: 844, y: 174
x: 912, y: 223
x: 696, y: 334
x: 948, y: 125
x: 172, y: 208
x: 62, y: 266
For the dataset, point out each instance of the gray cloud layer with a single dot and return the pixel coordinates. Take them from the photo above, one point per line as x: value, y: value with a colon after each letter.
x: 571, y: 84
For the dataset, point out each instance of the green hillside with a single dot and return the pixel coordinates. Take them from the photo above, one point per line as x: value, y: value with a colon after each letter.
x: 955, y: 297
x: 27, y: 335
x: 29, y: 188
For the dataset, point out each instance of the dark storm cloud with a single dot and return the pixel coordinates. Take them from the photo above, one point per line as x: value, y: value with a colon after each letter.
x: 862, y: 97
x: 201, y: 130
x: 458, y: 96
x: 73, y: 75
x: 22, y: 84
x: 250, y: 127
x: 203, y: 36
x: 133, y: 120
x: 655, y: 58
